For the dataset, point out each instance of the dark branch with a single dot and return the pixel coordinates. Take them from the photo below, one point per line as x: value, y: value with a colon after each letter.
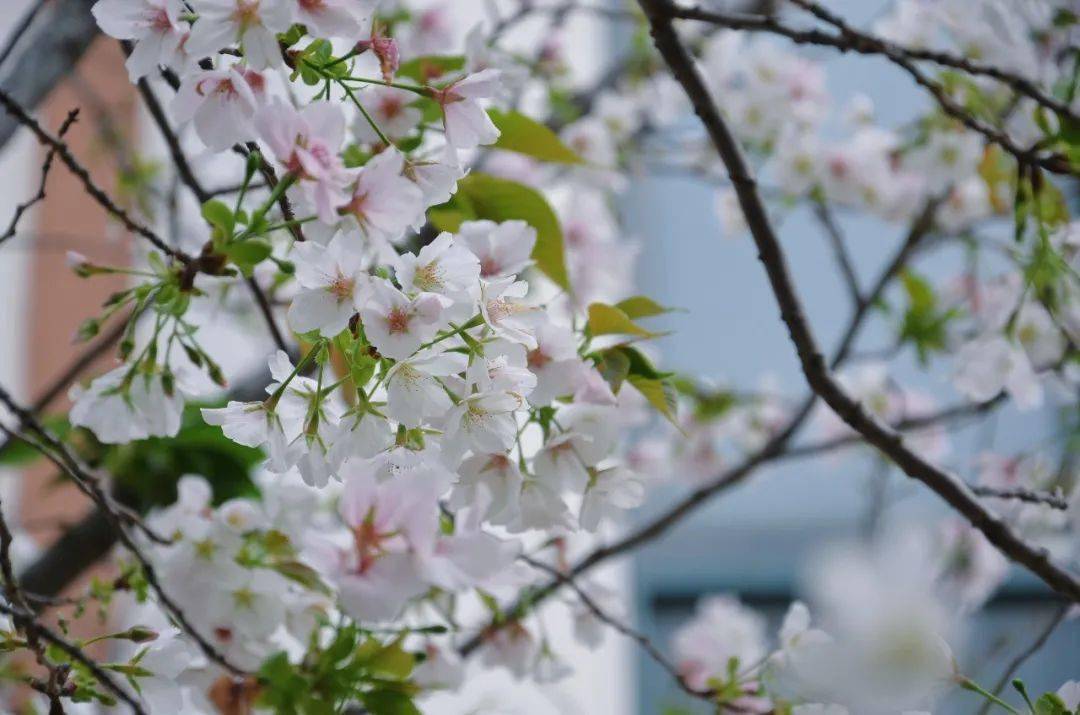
x: 818, y: 375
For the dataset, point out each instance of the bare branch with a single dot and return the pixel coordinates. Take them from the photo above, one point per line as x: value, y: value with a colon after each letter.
x: 99, y: 195
x: 640, y: 638
x: 821, y: 380
x: 1056, y: 164
x: 118, y: 517
x: 46, y: 167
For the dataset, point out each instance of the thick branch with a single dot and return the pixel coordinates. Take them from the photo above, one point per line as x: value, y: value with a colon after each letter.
x: 821, y: 380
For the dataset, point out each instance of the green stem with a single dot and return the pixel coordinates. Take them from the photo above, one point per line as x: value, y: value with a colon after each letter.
x: 972, y: 686
x: 370, y: 120
x: 271, y: 402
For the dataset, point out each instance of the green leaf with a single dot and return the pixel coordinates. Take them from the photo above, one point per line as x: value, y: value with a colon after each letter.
x: 481, y: 196
x: 220, y: 216
x: 614, y: 367
x: 524, y: 135
x: 659, y: 393
x: 393, y: 661
x: 427, y: 67
x: 641, y: 306
x: 248, y: 253
x: 607, y: 319
x: 1051, y: 704
x: 302, y: 574
x: 389, y: 702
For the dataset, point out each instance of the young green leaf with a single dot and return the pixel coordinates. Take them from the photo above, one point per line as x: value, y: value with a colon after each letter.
x: 524, y: 135
x: 481, y: 196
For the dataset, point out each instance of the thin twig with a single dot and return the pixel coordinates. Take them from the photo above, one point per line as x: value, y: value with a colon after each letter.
x: 640, y: 638
x: 839, y: 248
x: 1023, y: 656
x: 1055, y: 164
x: 62, y: 458
x: 46, y: 167
x: 99, y: 195
x: 870, y: 43
x: 818, y: 375
x: 76, y: 654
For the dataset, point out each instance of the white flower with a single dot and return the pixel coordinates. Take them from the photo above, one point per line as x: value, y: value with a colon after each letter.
x: 121, y: 407
x: 166, y: 658
x: 443, y: 266
x: 222, y: 103
x: 441, y: 668
x: 1070, y: 693
x: 501, y: 367
x: 610, y: 491
x: 383, y: 202
x: 252, y: 23
x: 503, y: 249
x: 254, y: 424
x: 540, y: 507
x: 398, y: 325
x: 506, y: 313
x: 491, y: 485
x: 888, y: 647
x: 390, y: 108
x: 334, y: 285
x: 360, y: 434
x: 555, y: 363
x: 437, y: 180
x: 483, y: 421
x: 512, y: 647
x: 389, y: 521
x: 153, y: 25
x: 989, y: 364
x: 413, y: 390
x: 466, y: 122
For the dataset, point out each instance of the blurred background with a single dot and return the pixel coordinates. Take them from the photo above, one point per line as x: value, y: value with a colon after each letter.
x: 752, y: 541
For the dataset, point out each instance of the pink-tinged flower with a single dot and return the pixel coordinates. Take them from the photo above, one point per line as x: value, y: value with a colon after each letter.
x: 153, y: 25
x: 386, y: 52
x: 390, y: 522
x: 334, y: 284
x: 383, y: 203
x: 333, y: 18
x: 555, y: 363
x: 721, y: 630
x: 503, y: 249
x: 465, y: 120
x: 392, y: 112
x: 398, y: 325
x: 307, y: 144
x: 222, y: 104
x: 252, y: 23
